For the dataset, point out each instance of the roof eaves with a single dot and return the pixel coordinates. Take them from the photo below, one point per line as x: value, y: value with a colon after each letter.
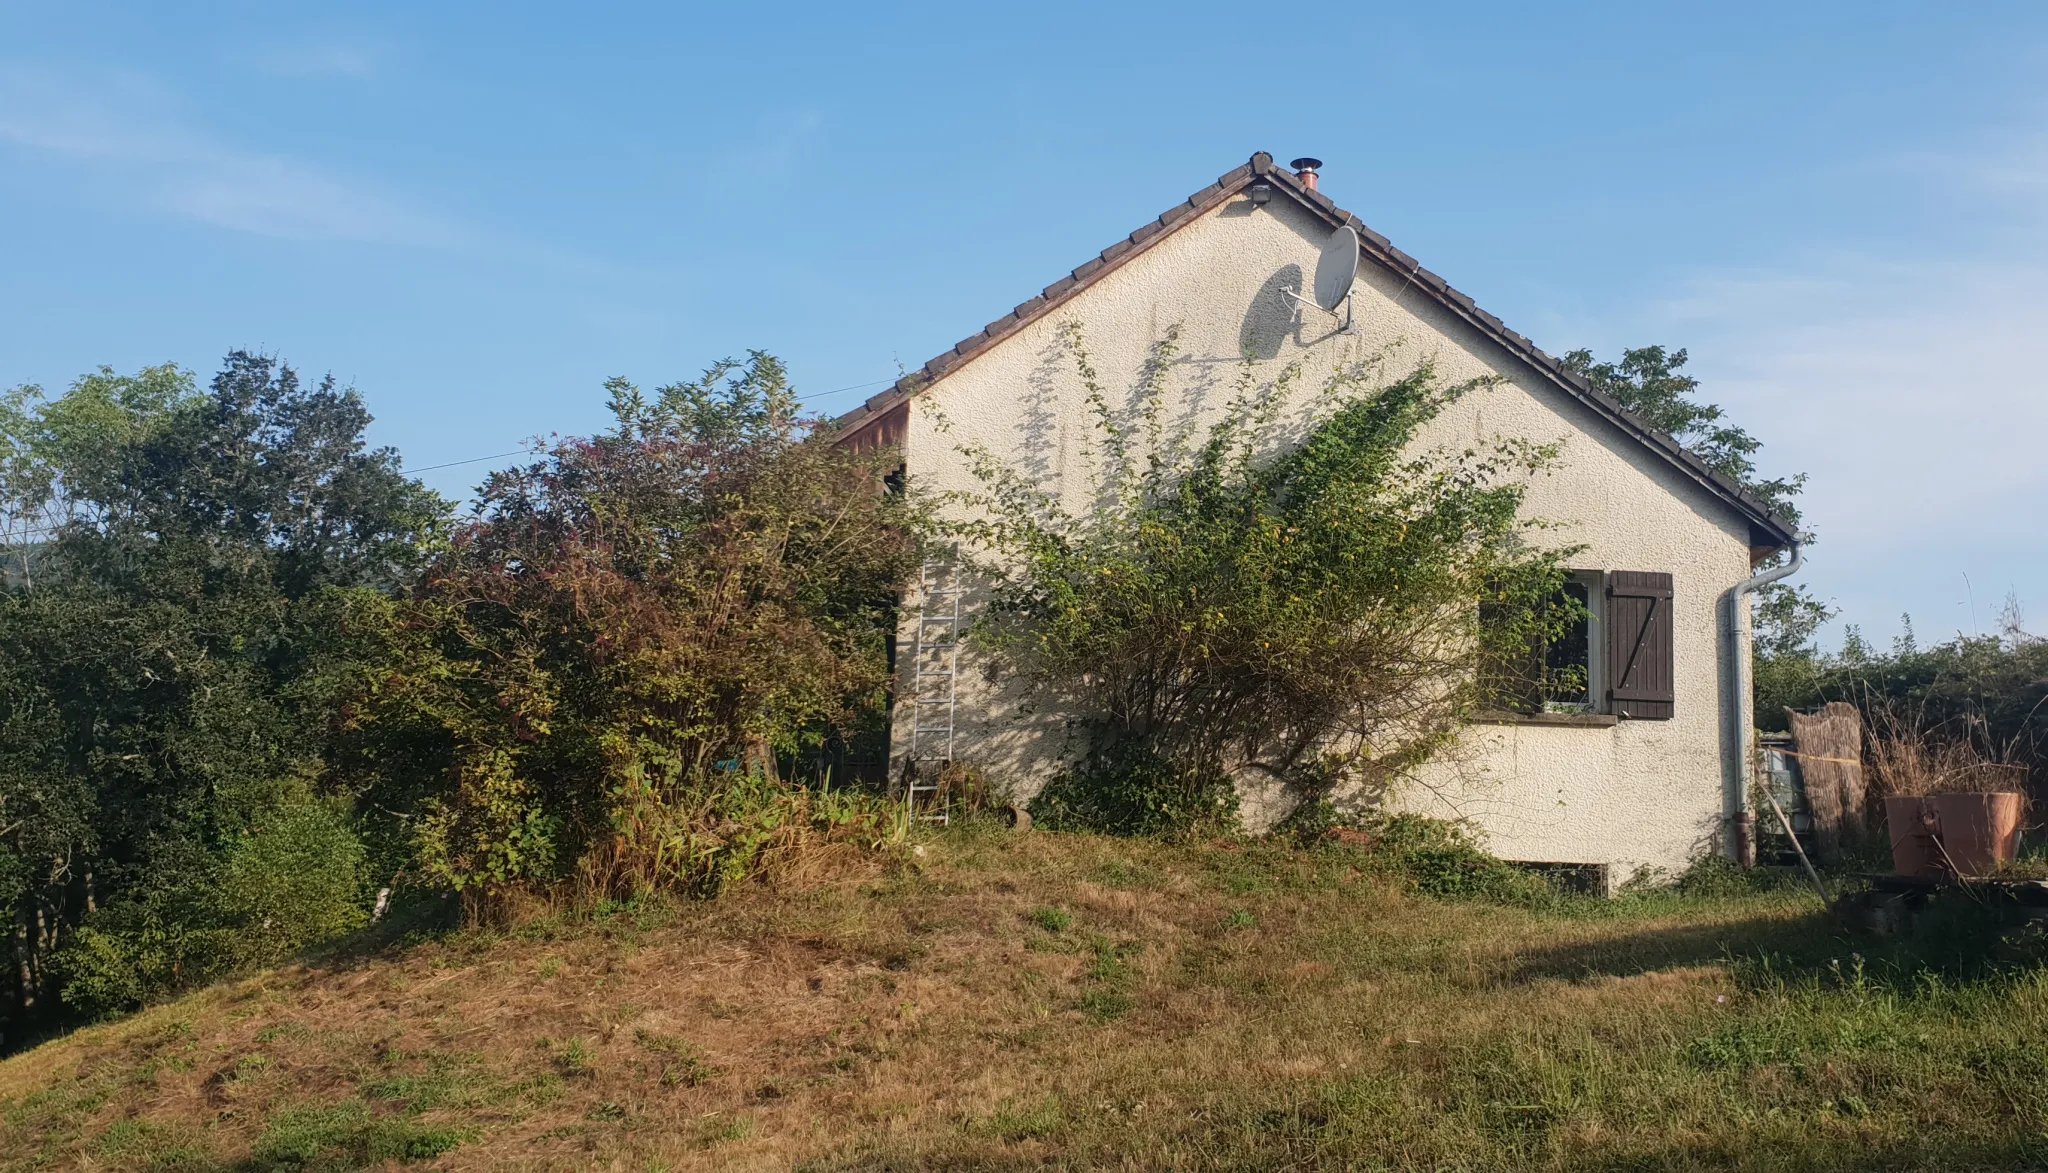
x: 1382, y: 250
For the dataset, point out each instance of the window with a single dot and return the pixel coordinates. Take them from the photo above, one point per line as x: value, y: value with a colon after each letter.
x: 1615, y: 657
x: 1563, y: 674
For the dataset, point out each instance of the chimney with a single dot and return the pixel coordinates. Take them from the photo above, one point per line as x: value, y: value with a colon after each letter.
x: 1305, y: 170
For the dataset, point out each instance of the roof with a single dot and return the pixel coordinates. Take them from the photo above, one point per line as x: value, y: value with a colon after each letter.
x: 1767, y: 528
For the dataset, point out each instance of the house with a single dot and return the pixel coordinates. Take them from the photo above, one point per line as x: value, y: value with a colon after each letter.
x: 1648, y: 772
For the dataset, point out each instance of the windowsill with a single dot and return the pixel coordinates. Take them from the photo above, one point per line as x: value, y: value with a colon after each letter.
x: 1574, y: 720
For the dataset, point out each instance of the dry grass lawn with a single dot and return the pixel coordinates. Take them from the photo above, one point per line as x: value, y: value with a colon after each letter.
x: 1000, y: 1001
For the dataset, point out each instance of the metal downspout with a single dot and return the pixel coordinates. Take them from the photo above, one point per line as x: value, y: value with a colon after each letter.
x: 1740, y: 840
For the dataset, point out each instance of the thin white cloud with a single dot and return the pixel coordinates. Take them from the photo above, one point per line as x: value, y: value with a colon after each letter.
x: 122, y: 134
x: 1859, y: 357
x: 1915, y: 394
x: 315, y: 55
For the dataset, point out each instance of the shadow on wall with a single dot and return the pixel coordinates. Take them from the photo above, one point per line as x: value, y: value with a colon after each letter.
x: 1040, y: 455
x: 1271, y: 317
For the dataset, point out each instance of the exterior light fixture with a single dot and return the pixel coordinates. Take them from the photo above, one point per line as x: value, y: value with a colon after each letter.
x: 1261, y: 192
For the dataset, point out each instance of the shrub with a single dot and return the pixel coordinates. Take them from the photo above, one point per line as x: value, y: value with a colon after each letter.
x: 1131, y: 789
x: 1232, y: 603
x: 702, y: 839
x: 295, y: 879
x: 1431, y: 856
x: 616, y: 662
x: 1439, y: 858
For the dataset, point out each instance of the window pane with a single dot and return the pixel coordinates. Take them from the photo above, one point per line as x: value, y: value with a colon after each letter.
x: 1567, y: 662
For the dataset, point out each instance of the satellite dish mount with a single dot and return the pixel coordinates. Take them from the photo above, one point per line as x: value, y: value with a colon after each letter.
x: 1336, y: 273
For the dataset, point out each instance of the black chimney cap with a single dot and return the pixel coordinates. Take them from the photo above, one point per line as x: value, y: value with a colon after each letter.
x: 1306, y: 164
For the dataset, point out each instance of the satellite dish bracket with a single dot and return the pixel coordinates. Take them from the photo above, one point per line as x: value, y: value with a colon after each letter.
x: 1349, y: 326
x: 1336, y: 276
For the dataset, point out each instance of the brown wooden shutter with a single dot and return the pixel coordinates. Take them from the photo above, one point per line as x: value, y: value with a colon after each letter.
x: 1639, y: 661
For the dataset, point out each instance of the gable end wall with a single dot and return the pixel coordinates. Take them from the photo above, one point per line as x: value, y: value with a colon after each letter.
x: 1637, y: 793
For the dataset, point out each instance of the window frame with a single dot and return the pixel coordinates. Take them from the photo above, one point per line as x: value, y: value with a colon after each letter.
x: 1595, y: 584
x: 1597, y: 713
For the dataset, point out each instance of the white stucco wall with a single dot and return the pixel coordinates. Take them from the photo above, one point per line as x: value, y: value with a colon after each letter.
x: 1639, y: 793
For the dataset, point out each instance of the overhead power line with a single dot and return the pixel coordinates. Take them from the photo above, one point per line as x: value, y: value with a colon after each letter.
x: 471, y: 460
x: 855, y: 387
x: 503, y: 455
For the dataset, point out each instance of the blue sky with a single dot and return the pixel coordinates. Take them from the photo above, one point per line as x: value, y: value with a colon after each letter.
x: 477, y: 213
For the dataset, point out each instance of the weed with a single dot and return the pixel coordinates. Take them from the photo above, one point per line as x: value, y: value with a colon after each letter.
x: 249, y: 1067
x: 284, y: 1031
x: 1110, y: 977
x: 683, y: 1063
x: 1106, y: 1003
x: 1111, y: 963
x: 1239, y: 919
x: 449, y: 1081
x: 1052, y: 920
x: 1039, y: 1121
x: 150, y: 1145
x: 1128, y: 789
x: 571, y: 1058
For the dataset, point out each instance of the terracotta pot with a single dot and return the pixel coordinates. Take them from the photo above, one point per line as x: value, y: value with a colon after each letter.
x: 1979, y: 830
x: 1913, y: 828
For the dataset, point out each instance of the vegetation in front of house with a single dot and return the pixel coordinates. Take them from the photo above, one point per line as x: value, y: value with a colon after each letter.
x: 254, y: 674
x: 1312, y: 612
x: 607, y: 670
x: 257, y: 676
x: 1073, y: 1001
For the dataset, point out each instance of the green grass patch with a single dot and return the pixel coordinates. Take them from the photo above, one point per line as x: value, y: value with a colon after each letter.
x: 346, y: 1136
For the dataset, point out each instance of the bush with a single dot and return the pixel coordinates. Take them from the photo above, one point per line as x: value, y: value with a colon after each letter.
x: 1243, y: 601
x: 1433, y: 857
x: 1131, y: 790
x: 1439, y: 858
x: 613, y: 665
x: 294, y: 880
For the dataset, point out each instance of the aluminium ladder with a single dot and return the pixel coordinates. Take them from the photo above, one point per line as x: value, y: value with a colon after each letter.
x: 937, y: 661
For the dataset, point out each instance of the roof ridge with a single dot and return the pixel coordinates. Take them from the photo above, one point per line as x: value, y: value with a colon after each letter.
x: 1379, y: 249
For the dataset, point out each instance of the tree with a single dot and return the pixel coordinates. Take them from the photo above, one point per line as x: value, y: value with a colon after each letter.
x: 1312, y: 614
x: 175, y: 640
x: 1650, y: 382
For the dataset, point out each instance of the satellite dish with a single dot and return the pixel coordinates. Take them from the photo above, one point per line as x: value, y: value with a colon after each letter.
x: 1337, y: 268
